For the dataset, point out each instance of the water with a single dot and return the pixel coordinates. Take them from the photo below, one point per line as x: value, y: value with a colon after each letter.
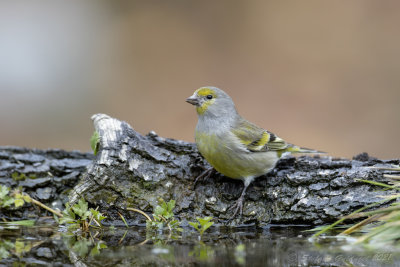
x: 48, y: 245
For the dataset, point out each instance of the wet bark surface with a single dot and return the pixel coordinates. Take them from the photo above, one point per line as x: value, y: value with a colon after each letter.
x: 46, y: 175
x: 135, y: 171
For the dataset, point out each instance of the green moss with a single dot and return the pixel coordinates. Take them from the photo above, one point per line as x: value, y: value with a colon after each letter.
x: 149, y: 186
x: 18, y: 176
x: 22, y: 176
x: 104, y: 195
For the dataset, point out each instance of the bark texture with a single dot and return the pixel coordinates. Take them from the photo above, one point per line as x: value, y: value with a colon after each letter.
x: 135, y: 171
x: 46, y: 175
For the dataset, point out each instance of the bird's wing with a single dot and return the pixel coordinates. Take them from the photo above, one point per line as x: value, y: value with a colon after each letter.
x: 256, y: 139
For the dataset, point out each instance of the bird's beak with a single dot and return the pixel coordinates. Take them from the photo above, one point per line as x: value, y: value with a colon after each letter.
x: 193, y: 100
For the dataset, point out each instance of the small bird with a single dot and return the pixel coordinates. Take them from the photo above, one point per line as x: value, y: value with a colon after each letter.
x: 232, y: 145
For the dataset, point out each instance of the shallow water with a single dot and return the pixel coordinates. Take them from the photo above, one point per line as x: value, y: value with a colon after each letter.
x: 47, y: 245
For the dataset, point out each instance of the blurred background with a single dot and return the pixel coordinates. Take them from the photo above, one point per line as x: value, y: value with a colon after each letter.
x: 320, y: 74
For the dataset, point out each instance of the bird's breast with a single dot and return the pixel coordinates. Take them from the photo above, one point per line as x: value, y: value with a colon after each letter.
x: 230, y: 159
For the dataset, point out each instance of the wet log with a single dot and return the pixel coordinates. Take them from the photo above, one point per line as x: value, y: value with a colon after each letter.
x: 135, y: 171
x: 46, y: 175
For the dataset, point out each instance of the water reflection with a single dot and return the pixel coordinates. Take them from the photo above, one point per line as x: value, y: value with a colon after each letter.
x: 48, y: 245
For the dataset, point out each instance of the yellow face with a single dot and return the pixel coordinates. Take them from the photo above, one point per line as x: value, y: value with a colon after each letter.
x: 205, y: 91
x: 202, y: 99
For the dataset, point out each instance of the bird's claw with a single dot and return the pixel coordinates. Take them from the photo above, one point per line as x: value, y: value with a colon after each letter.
x: 204, y: 175
x: 238, y: 206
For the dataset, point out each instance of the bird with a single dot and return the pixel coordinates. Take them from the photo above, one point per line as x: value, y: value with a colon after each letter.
x: 232, y: 145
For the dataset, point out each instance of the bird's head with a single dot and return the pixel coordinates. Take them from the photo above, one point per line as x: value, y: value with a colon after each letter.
x: 212, y: 101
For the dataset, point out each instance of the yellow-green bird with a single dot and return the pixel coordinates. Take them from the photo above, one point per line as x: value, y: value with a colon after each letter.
x: 232, y: 145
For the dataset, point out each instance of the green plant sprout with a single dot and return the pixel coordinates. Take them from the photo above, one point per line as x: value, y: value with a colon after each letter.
x: 16, y: 248
x: 19, y: 198
x: 202, y: 225
x: 79, y: 216
x: 8, y: 197
x: 202, y: 252
x: 95, y: 142
x: 5, y: 247
x: 240, y: 254
x: 163, y: 216
x: 83, y: 246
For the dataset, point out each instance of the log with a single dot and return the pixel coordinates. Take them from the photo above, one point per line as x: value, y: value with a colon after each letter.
x: 46, y: 175
x: 135, y: 171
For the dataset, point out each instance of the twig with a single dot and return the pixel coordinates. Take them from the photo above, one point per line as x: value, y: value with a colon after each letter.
x: 165, y: 220
x: 92, y: 218
x: 361, y: 224
x: 395, y: 177
x: 141, y: 212
x: 378, y: 184
x: 374, y: 212
x: 123, y: 237
x: 40, y: 204
x: 327, y: 228
x: 123, y: 219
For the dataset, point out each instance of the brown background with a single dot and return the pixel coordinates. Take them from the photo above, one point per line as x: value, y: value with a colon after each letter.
x: 321, y: 74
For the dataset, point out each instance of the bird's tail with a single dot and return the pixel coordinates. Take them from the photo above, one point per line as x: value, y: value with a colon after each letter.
x: 297, y: 149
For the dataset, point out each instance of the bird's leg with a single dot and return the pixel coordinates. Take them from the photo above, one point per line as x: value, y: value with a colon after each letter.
x: 239, y: 202
x: 204, y: 175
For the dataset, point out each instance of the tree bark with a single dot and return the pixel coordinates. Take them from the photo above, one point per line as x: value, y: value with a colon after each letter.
x: 46, y: 175
x: 135, y: 171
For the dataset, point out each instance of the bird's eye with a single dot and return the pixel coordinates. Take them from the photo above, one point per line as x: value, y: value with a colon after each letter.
x: 209, y: 96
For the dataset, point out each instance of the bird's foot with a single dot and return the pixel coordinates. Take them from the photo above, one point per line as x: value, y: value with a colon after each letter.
x: 238, y: 207
x: 204, y: 176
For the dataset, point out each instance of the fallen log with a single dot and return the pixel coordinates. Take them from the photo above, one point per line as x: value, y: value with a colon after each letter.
x: 135, y: 171
x: 46, y: 175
